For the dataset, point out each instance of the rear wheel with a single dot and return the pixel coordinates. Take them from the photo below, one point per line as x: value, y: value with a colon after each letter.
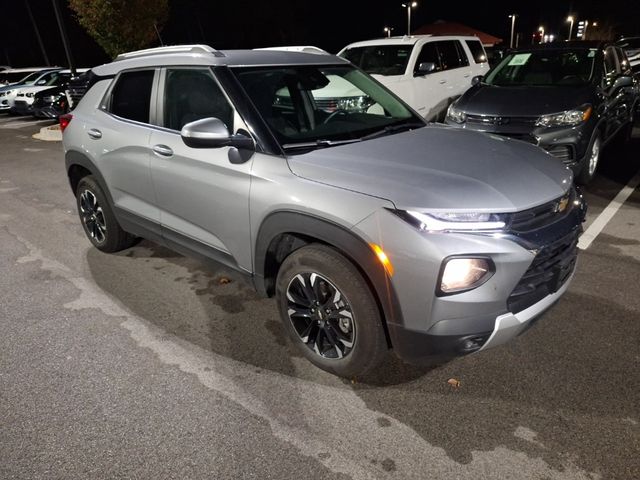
x: 98, y: 219
x: 591, y: 161
x: 329, y: 311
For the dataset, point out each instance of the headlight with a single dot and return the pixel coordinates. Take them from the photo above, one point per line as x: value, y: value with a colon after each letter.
x: 7, y: 92
x: 354, y: 104
x: 456, y: 115
x: 460, y: 274
x: 568, y: 118
x: 451, y: 222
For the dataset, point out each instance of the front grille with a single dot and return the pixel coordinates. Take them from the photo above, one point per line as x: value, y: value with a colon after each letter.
x: 543, y: 215
x: 550, y: 269
x: 563, y: 152
x: 79, y: 85
x: 490, y: 120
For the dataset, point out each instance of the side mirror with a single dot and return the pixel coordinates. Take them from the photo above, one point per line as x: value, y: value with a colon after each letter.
x: 477, y: 79
x: 425, y: 68
x: 213, y: 133
x: 622, y: 82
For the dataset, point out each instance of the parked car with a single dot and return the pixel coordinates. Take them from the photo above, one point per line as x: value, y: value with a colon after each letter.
x: 631, y: 48
x: 25, y: 96
x: 372, y: 229
x: 570, y: 99
x: 427, y: 72
x: 9, y: 92
x: 11, y: 76
x: 50, y: 103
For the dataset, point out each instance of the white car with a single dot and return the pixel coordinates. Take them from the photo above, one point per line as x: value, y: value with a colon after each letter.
x: 9, y: 92
x: 23, y: 100
x: 428, y: 72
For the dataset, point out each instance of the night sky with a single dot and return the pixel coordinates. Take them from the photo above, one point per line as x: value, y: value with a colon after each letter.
x: 329, y: 24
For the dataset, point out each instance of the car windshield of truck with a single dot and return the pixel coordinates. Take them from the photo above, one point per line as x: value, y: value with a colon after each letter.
x: 310, y: 107
x: 380, y: 59
x: 544, y: 68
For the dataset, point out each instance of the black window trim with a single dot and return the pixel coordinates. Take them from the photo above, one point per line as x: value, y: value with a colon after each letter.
x: 105, y: 103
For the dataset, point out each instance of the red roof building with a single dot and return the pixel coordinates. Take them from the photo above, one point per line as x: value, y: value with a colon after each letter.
x: 451, y: 28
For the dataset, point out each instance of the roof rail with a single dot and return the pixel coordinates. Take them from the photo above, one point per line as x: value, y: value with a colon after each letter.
x: 170, y: 49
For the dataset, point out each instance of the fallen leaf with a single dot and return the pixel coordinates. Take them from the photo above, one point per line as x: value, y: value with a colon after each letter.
x: 454, y: 382
x: 224, y: 280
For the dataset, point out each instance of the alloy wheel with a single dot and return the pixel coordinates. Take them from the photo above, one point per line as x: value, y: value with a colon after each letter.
x: 321, y: 315
x: 594, y: 157
x: 93, y: 216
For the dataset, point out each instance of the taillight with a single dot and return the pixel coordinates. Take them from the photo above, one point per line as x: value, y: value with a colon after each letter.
x: 65, y: 120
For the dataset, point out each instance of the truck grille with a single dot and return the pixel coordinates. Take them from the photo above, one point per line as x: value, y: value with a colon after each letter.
x: 550, y: 269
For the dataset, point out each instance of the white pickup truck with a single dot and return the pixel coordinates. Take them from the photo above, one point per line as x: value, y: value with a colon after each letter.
x: 428, y: 72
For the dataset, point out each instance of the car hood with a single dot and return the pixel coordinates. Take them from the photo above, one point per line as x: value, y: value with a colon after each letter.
x: 522, y: 101
x: 441, y: 168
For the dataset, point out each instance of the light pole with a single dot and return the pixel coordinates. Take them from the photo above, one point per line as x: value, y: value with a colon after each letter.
x: 570, y: 19
x: 409, y: 6
x: 513, y: 27
x: 541, y: 30
x: 388, y: 30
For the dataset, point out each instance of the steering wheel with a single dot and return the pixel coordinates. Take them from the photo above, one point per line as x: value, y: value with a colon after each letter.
x: 333, y: 115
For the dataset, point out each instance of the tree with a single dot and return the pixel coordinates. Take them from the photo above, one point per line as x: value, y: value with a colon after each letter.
x: 121, y: 25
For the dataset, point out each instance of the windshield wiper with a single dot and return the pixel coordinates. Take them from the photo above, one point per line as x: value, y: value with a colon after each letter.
x: 320, y: 143
x: 389, y: 129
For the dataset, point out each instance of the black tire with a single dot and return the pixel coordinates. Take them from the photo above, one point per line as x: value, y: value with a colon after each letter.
x: 354, y: 319
x: 98, y: 220
x: 588, y: 170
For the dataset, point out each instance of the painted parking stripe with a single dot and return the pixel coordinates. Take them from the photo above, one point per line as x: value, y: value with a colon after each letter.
x: 8, y: 125
x: 607, y: 214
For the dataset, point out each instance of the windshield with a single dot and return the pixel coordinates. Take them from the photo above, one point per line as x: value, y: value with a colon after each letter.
x: 309, y: 105
x: 544, y: 68
x: 380, y: 59
x: 32, y: 77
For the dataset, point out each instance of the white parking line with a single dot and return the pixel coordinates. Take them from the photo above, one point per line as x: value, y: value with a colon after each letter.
x: 9, y: 125
x: 607, y: 214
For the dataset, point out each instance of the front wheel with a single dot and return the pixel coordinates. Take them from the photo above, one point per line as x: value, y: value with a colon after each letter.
x: 330, y: 312
x: 591, y: 161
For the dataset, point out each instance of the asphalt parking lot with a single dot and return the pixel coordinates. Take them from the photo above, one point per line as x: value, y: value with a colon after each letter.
x: 147, y: 364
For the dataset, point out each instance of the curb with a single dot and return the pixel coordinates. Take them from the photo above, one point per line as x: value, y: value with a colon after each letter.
x: 49, y: 134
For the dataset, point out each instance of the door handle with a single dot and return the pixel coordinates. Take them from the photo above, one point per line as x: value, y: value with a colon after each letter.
x: 162, y: 150
x: 94, y: 133
x: 442, y: 82
x: 467, y: 75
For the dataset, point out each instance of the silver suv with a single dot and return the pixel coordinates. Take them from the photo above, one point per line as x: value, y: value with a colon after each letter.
x: 374, y: 230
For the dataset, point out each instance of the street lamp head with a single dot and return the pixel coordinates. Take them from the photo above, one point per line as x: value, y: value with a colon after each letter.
x: 414, y: 4
x: 569, y: 18
x: 541, y: 29
x: 594, y: 24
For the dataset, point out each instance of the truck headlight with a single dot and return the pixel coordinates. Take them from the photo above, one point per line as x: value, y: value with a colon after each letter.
x: 461, y: 221
x: 456, y: 115
x: 568, y: 118
x: 461, y: 274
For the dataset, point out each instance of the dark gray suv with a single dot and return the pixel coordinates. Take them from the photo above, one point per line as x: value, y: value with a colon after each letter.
x: 373, y: 230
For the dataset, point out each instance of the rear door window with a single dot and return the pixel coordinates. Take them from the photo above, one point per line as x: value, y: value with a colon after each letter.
x: 450, y: 55
x: 131, y: 95
x: 477, y: 51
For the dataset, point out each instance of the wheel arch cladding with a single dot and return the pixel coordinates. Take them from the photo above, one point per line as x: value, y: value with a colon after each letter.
x: 281, y: 233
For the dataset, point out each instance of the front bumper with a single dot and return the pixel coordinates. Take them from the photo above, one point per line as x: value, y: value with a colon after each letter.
x: 532, y: 271
x: 21, y: 107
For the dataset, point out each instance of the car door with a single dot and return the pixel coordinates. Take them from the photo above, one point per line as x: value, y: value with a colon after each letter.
x: 430, y: 90
x: 118, y: 134
x: 203, y: 198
